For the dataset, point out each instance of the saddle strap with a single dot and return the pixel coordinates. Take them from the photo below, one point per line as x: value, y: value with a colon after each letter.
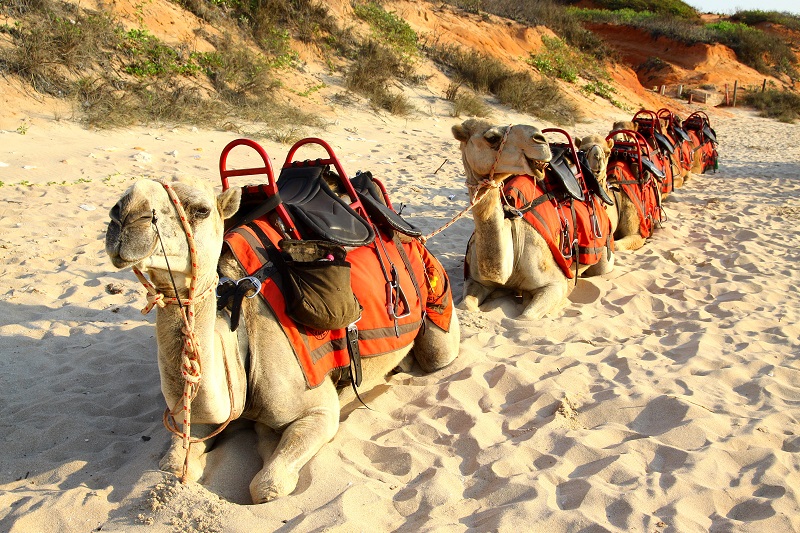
x: 410, y: 270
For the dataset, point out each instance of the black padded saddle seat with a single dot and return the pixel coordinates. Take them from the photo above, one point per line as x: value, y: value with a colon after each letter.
x: 682, y: 134
x: 592, y: 183
x: 625, y: 150
x: 662, y: 141
x: 372, y: 199
x: 709, y: 132
x: 653, y: 169
x: 318, y: 211
x: 560, y: 173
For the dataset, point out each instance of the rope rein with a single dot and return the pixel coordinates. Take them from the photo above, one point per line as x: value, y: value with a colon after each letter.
x: 484, y: 184
x: 191, y: 370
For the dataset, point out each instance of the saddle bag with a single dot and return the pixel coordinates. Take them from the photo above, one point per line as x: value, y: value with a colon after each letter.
x: 317, y: 284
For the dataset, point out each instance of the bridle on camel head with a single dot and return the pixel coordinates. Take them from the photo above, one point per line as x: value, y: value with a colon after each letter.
x: 482, y: 184
x: 190, y: 352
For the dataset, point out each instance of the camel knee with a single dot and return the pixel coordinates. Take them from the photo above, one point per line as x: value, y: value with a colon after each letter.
x: 545, y: 300
x: 300, y: 441
x: 474, y: 295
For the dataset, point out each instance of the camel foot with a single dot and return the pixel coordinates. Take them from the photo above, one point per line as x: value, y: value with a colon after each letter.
x: 265, y: 488
x: 173, y: 462
x: 469, y: 303
x: 631, y: 242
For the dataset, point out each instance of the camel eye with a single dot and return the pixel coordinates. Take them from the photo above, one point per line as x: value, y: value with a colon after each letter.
x: 201, y: 212
x: 493, y: 137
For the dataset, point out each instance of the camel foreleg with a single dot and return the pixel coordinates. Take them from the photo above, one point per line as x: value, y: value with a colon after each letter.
x: 545, y: 299
x: 630, y: 242
x: 474, y: 295
x: 300, y: 441
x: 176, y: 455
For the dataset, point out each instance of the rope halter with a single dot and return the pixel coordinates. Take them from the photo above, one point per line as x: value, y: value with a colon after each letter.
x: 191, y: 370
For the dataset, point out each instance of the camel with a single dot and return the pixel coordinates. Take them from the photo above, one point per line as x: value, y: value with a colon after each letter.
x: 272, y: 392
x: 509, y: 253
x: 623, y: 214
x: 685, y: 159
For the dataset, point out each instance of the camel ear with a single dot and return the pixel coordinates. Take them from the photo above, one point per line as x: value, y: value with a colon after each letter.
x: 228, y: 202
x: 460, y: 132
x: 578, y: 142
x: 610, y: 143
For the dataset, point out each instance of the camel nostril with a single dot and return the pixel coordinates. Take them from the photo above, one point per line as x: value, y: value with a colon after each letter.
x: 539, y: 138
x: 145, y: 217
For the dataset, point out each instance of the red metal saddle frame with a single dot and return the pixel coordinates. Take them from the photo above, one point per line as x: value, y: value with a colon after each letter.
x: 270, y: 188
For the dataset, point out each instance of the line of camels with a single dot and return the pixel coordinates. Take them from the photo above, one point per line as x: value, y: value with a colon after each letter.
x: 635, y: 167
x: 175, y: 237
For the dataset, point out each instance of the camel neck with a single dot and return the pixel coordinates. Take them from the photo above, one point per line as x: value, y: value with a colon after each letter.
x: 493, y: 246
x: 212, y: 403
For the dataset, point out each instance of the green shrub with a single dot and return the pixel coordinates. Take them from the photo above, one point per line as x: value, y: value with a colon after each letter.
x: 671, y: 8
x: 559, y: 60
x: 518, y: 90
x: 754, y: 17
x: 370, y: 74
x: 465, y: 102
x: 781, y: 105
x: 541, y: 98
x: 544, y: 13
x: 387, y: 27
x: 481, y: 72
x: 149, y: 56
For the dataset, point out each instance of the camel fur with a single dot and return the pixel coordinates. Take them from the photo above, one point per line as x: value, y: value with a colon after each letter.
x: 274, y: 393
x: 509, y: 253
x: 623, y: 214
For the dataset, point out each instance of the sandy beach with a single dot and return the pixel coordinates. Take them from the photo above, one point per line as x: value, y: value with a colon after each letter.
x: 663, y: 397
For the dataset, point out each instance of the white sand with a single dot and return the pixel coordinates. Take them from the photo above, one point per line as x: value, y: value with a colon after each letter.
x: 664, y: 397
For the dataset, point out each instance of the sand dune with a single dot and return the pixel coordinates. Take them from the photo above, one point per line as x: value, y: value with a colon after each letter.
x: 663, y: 396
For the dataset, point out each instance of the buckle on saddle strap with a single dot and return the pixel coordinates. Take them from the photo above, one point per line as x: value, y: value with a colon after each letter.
x: 355, y: 354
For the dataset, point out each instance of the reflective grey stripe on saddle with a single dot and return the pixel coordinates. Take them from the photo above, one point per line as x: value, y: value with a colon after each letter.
x: 318, y: 211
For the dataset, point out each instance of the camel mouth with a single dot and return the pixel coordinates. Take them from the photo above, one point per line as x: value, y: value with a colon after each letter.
x: 123, y: 249
x: 537, y: 164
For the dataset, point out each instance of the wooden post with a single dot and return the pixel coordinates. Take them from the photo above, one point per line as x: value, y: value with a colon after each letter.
x: 691, y: 98
x: 764, y: 85
x: 727, y: 96
x: 663, y: 89
x: 680, y: 91
x: 735, y: 88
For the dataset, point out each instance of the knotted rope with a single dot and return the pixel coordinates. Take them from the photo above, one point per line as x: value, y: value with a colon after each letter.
x: 191, y: 370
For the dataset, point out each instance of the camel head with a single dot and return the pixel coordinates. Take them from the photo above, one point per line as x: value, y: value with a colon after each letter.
x: 132, y: 239
x: 623, y: 125
x: 598, y: 151
x: 524, y: 152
